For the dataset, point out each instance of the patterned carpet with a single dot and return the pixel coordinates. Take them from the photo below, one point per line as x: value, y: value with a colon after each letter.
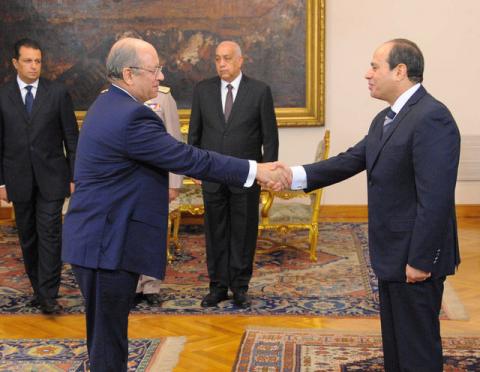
x: 341, y: 283
x: 71, y: 355
x: 296, y: 350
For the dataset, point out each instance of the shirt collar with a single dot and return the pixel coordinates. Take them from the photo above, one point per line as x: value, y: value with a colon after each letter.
x: 116, y: 86
x: 235, y: 83
x: 22, y: 84
x: 404, y: 97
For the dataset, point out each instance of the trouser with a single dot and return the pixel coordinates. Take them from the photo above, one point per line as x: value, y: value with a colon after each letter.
x: 109, y: 296
x: 39, y: 224
x: 410, y: 325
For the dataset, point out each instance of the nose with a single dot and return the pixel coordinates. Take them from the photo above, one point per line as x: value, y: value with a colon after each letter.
x: 160, y: 76
x: 368, y: 74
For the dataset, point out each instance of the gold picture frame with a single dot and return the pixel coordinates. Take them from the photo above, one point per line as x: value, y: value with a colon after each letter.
x: 313, y: 114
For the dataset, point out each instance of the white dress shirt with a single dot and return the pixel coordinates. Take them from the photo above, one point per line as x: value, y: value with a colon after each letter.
x: 23, y: 91
x: 224, y: 90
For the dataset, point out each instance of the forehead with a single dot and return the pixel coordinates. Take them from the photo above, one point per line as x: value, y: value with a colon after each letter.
x: 225, y: 49
x: 381, y: 54
x: 148, y: 55
x: 29, y: 52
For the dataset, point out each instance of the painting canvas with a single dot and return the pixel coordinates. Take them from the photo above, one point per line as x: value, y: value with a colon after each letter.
x: 76, y: 37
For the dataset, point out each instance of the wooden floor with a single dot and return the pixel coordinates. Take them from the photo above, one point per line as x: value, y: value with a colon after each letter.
x: 212, y: 341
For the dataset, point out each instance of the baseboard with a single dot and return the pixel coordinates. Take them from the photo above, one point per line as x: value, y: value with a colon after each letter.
x: 326, y: 211
x: 361, y: 211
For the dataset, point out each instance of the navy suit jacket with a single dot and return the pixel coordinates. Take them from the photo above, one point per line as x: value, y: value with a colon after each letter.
x: 411, y: 174
x: 117, y: 218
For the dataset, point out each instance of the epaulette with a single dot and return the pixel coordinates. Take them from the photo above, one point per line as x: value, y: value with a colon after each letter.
x: 163, y: 89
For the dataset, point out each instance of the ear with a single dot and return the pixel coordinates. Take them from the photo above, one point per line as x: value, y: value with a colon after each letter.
x: 127, y: 74
x: 15, y: 63
x: 402, y: 72
x: 240, y: 61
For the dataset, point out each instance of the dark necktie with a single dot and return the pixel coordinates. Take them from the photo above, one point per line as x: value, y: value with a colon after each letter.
x: 228, y: 102
x: 388, y: 120
x: 29, y: 99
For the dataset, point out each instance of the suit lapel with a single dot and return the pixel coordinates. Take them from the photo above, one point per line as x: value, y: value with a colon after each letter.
x: 377, y: 133
x: 216, y: 94
x: 40, y: 97
x: 16, y: 98
x: 241, y: 94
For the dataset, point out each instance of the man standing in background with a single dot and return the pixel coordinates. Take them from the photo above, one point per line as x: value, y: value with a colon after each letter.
x: 234, y: 115
x: 37, y: 123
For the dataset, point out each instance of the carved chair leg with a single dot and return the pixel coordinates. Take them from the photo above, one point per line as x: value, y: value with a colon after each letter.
x: 313, y: 238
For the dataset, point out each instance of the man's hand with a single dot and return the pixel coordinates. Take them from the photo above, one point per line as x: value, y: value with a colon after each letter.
x: 72, y: 188
x: 4, y: 195
x: 415, y: 275
x: 173, y: 194
x: 274, y: 176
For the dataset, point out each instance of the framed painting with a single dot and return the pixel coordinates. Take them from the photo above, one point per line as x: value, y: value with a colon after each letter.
x: 282, y: 42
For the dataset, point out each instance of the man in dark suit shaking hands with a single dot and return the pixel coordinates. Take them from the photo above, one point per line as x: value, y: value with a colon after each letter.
x: 234, y: 115
x: 37, y: 123
x: 411, y: 155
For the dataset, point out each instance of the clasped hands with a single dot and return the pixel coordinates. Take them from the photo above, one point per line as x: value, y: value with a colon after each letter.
x: 274, y: 176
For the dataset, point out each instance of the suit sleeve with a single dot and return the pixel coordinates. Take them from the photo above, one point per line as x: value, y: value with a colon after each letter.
x: 436, y: 152
x: 337, y: 168
x: 147, y: 141
x: 69, y: 128
x: 269, y: 127
x: 195, y: 127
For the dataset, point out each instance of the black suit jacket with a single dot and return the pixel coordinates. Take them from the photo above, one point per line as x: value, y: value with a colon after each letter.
x: 32, y: 148
x: 251, y: 127
x: 411, y: 173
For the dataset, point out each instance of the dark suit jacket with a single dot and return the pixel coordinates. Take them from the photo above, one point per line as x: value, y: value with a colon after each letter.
x: 411, y: 172
x: 117, y: 218
x: 252, y: 123
x: 32, y: 148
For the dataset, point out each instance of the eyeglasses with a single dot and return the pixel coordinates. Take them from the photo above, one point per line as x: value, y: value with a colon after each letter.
x: 155, y: 72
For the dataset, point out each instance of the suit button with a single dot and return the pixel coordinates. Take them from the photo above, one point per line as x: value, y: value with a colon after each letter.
x: 31, y: 148
x: 370, y: 183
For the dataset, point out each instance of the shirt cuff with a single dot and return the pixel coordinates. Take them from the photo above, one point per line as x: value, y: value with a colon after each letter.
x: 299, y: 178
x: 252, y: 174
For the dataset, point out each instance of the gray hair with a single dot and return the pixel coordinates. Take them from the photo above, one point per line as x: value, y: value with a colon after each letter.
x: 123, y: 54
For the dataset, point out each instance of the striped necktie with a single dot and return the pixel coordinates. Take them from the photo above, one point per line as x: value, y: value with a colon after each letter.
x: 388, y: 120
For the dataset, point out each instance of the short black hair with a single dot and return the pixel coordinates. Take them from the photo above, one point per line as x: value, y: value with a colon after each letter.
x: 407, y: 52
x: 29, y: 43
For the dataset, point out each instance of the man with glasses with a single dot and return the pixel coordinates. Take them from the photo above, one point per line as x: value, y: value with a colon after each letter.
x: 116, y: 225
x: 38, y: 139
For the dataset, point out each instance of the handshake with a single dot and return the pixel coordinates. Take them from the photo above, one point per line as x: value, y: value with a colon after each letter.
x: 274, y: 176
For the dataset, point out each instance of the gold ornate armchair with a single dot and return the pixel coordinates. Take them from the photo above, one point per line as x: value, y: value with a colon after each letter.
x: 298, y: 211
x: 189, y: 200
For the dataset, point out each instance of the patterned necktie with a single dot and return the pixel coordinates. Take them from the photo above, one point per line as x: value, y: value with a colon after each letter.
x: 388, y: 120
x: 228, y: 102
x: 29, y: 99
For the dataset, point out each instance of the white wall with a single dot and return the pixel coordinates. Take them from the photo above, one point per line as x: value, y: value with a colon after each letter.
x: 447, y: 31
